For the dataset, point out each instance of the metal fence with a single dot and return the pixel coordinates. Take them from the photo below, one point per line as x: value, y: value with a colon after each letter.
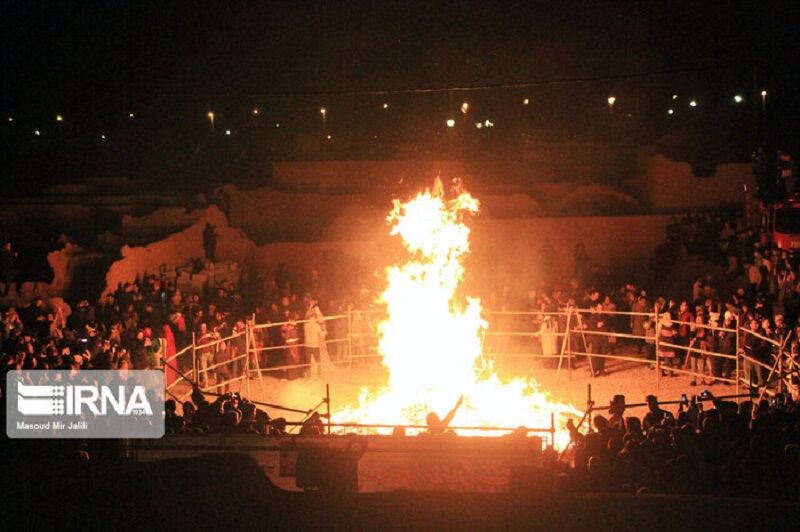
x: 565, y: 337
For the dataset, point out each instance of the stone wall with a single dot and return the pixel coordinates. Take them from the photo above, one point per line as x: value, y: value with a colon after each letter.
x: 670, y: 185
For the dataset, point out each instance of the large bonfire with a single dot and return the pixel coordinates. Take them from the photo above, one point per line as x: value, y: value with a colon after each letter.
x: 431, y: 341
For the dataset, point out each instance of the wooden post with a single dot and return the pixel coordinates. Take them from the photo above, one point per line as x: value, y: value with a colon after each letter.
x: 252, y: 343
x: 569, y: 343
x: 195, y: 373
x: 564, y: 343
x: 247, y: 332
x: 589, y: 402
x: 658, y: 355
x: 328, y: 405
x: 736, y: 377
x: 349, y: 338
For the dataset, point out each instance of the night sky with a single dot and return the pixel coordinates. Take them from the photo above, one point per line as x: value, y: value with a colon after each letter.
x: 73, y: 53
x: 172, y: 61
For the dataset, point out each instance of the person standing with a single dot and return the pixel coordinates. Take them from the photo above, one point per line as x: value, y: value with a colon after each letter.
x: 8, y: 267
x: 753, y: 349
x: 638, y: 319
x: 666, y: 335
x: 205, y: 346
x: 597, y: 330
x: 314, y: 332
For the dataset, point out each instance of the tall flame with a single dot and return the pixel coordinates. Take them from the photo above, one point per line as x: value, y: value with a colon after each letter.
x: 431, y: 342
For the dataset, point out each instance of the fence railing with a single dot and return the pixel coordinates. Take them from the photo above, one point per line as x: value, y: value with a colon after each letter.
x: 569, y: 336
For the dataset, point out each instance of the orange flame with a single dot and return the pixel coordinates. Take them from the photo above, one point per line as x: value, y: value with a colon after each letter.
x: 431, y: 342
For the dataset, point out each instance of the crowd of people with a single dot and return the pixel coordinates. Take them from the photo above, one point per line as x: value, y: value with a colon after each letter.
x: 756, y: 291
x: 142, y: 324
x: 709, y: 446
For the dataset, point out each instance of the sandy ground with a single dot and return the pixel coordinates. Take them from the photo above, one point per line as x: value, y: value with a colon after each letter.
x: 634, y: 380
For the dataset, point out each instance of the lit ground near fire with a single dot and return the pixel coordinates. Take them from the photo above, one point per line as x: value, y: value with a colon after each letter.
x: 633, y: 380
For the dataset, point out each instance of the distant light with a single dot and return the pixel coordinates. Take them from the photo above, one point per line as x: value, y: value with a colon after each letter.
x: 479, y: 124
x: 464, y: 107
x: 670, y: 111
x: 763, y: 93
x: 10, y: 118
x: 37, y: 132
x: 102, y: 137
x: 211, y: 115
x: 385, y: 105
x: 322, y: 111
x: 59, y: 118
x: 451, y: 122
x: 693, y: 103
x: 277, y: 124
x: 738, y: 98
x: 674, y: 96
x: 255, y: 110
x: 526, y: 101
x: 488, y: 123
x: 611, y: 100
x: 130, y: 115
x: 227, y: 131
x: 328, y: 137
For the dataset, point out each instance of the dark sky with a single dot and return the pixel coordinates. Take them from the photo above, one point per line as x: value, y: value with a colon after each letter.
x: 90, y: 55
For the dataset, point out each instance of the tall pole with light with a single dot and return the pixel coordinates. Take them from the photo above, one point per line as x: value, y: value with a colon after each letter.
x: 324, y: 114
x: 211, y: 116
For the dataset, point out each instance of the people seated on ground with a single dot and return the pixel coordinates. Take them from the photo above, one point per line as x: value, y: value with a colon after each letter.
x: 313, y: 425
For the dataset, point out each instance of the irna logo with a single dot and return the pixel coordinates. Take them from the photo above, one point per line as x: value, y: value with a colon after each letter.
x: 100, y: 400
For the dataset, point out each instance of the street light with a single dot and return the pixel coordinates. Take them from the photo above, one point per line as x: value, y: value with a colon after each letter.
x: 611, y: 101
x: 59, y: 118
x: 385, y: 105
x: 738, y: 98
x: 211, y: 117
x: 255, y: 110
x: 526, y: 101
x: 130, y: 115
x: 228, y: 132
x: 693, y: 103
x: 465, y: 107
x: 450, y: 122
x: 670, y: 111
x: 763, y: 100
